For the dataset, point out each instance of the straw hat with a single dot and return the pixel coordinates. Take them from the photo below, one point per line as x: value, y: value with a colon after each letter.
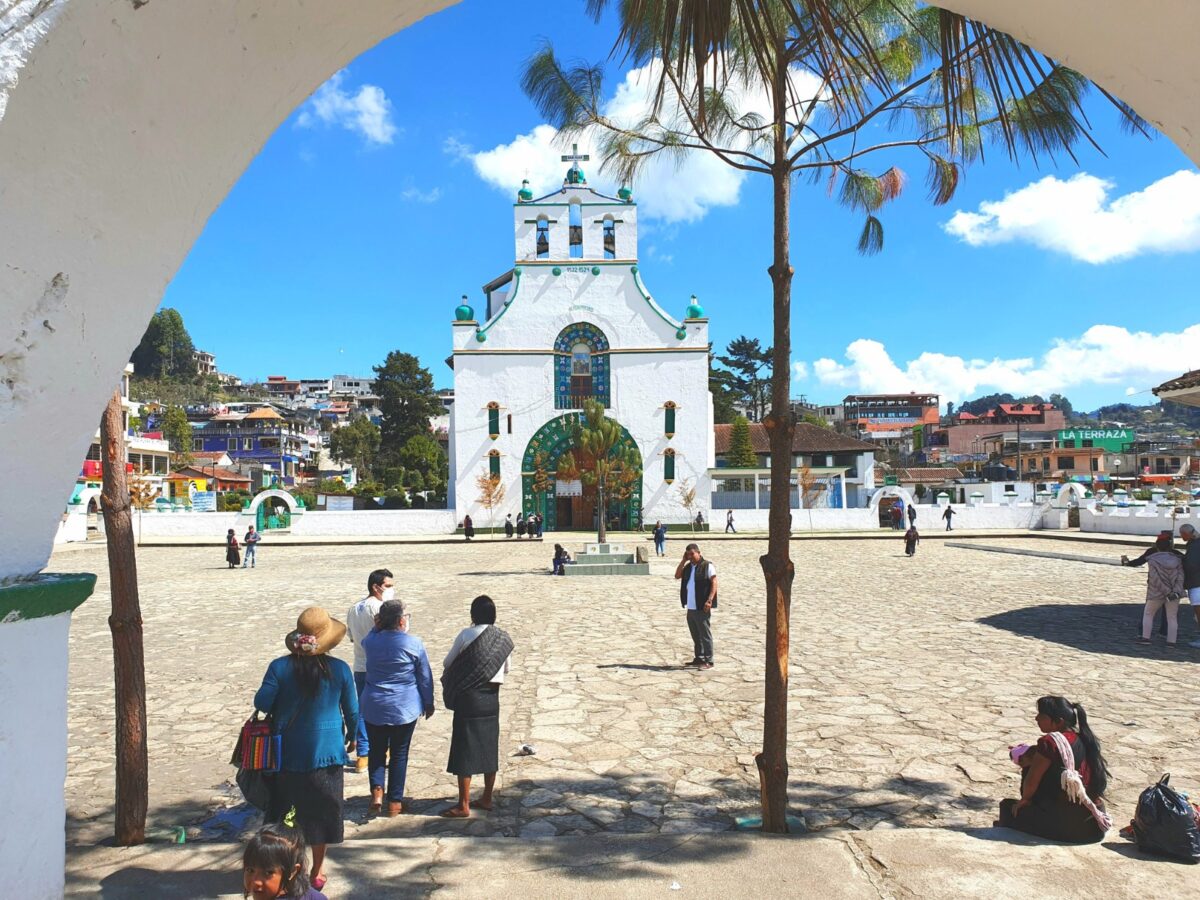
x: 316, y: 632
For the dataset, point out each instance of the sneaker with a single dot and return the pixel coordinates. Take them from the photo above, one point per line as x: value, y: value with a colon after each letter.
x: 695, y: 661
x: 705, y: 665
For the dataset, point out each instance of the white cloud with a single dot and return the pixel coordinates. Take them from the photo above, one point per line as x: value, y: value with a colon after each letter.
x: 367, y: 112
x: 1077, y: 217
x: 1104, y: 354
x: 669, y: 189
x: 416, y: 195
x: 799, y: 370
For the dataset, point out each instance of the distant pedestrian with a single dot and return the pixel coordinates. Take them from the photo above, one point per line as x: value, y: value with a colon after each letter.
x: 1164, y: 586
x: 660, y: 539
x: 912, y: 514
x: 949, y: 515
x: 561, y: 558
x: 468, y: 528
x: 911, y: 539
x: 1191, y: 571
x: 699, y: 519
x: 537, y: 521
x: 729, y: 522
x: 520, y: 525
x: 641, y: 525
x: 508, y: 526
x: 697, y: 579
x: 897, y: 516
x: 251, y: 541
x: 232, y: 557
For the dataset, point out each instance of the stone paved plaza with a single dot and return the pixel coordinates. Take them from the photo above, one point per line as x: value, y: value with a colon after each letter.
x: 910, y: 678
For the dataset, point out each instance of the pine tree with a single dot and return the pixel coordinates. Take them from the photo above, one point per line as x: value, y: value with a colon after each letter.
x: 741, y: 453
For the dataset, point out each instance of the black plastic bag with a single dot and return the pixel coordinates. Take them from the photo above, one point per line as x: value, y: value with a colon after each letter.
x: 1165, y: 824
x: 255, y: 785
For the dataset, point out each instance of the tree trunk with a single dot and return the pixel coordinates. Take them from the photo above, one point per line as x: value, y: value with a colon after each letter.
x: 776, y: 564
x: 126, y: 626
x: 602, y: 531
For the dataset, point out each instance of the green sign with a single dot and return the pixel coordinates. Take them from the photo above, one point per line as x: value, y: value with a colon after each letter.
x: 1110, y: 439
x: 889, y: 480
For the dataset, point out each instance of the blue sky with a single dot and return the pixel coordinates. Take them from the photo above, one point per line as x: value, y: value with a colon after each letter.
x: 387, y: 195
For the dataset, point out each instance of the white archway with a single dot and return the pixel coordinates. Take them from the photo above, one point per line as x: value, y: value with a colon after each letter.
x: 891, y: 490
x: 1074, y: 488
x: 288, y: 500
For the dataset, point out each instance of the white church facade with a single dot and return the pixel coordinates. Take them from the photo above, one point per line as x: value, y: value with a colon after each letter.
x: 573, y: 320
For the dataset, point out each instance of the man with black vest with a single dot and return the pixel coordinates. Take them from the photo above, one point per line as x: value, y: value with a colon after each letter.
x: 698, y: 595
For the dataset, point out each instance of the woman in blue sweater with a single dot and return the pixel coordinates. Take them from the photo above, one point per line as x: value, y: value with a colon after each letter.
x: 312, y: 700
x: 398, y: 692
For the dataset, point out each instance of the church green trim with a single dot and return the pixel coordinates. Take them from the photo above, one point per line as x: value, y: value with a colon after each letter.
x: 554, y: 439
x: 45, y: 595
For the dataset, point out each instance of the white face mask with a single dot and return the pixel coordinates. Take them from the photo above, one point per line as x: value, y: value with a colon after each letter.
x: 388, y: 594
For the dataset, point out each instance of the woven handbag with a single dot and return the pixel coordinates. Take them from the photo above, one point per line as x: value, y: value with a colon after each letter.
x: 258, y: 750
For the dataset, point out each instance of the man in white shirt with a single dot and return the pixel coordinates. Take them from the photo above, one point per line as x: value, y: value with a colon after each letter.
x: 698, y: 595
x: 360, y: 620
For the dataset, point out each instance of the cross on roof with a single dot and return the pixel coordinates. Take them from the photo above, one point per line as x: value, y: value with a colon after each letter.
x: 575, y: 155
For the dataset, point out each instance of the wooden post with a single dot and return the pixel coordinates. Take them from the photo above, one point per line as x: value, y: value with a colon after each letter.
x: 132, y: 793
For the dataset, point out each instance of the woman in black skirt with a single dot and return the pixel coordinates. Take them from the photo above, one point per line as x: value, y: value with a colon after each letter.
x: 472, y: 674
x: 313, y: 703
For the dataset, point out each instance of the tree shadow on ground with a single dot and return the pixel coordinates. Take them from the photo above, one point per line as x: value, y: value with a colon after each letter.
x: 1109, y: 628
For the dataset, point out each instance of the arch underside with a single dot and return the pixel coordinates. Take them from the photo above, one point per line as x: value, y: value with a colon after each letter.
x: 554, y: 439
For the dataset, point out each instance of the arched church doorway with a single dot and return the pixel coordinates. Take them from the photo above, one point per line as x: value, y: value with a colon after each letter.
x: 565, y: 503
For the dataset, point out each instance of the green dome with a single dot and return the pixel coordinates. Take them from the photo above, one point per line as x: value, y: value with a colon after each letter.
x: 525, y: 194
x: 625, y: 194
x: 481, y: 336
x: 681, y: 333
x: 695, y: 310
x: 464, y: 313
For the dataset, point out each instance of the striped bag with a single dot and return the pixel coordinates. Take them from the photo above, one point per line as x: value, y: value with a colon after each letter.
x: 258, y: 750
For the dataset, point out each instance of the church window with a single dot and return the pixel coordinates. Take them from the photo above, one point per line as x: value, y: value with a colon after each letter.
x: 581, y: 367
x: 668, y: 466
x: 493, y: 410
x: 610, y: 239
x: 669, y: 419
x: 494, y: 463
x: 543, y: 238
x: 576, y: 230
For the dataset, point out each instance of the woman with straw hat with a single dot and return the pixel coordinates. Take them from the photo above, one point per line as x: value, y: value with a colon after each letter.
x: 312, y: 700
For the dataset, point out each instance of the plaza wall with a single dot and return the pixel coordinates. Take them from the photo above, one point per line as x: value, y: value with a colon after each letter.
x: 929, y: 518
x: 1145, y: 520
x: 360, y: 523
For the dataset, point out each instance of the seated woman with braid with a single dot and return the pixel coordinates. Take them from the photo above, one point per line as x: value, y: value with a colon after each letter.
x: 1063, y: 779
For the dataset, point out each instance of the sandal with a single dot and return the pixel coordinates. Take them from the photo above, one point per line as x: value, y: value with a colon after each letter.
x: 1142, y: 640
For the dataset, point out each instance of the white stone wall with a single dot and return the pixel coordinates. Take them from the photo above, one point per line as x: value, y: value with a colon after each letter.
x: 364, y: 523
x: 928, y: 519
x: 1145, y: 520
x: 33, y: 745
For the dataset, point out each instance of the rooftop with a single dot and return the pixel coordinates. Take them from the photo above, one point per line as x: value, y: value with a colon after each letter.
x: 808, y: 438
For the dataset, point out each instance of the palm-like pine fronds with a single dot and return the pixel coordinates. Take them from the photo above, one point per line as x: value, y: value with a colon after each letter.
x: 870, y: 241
